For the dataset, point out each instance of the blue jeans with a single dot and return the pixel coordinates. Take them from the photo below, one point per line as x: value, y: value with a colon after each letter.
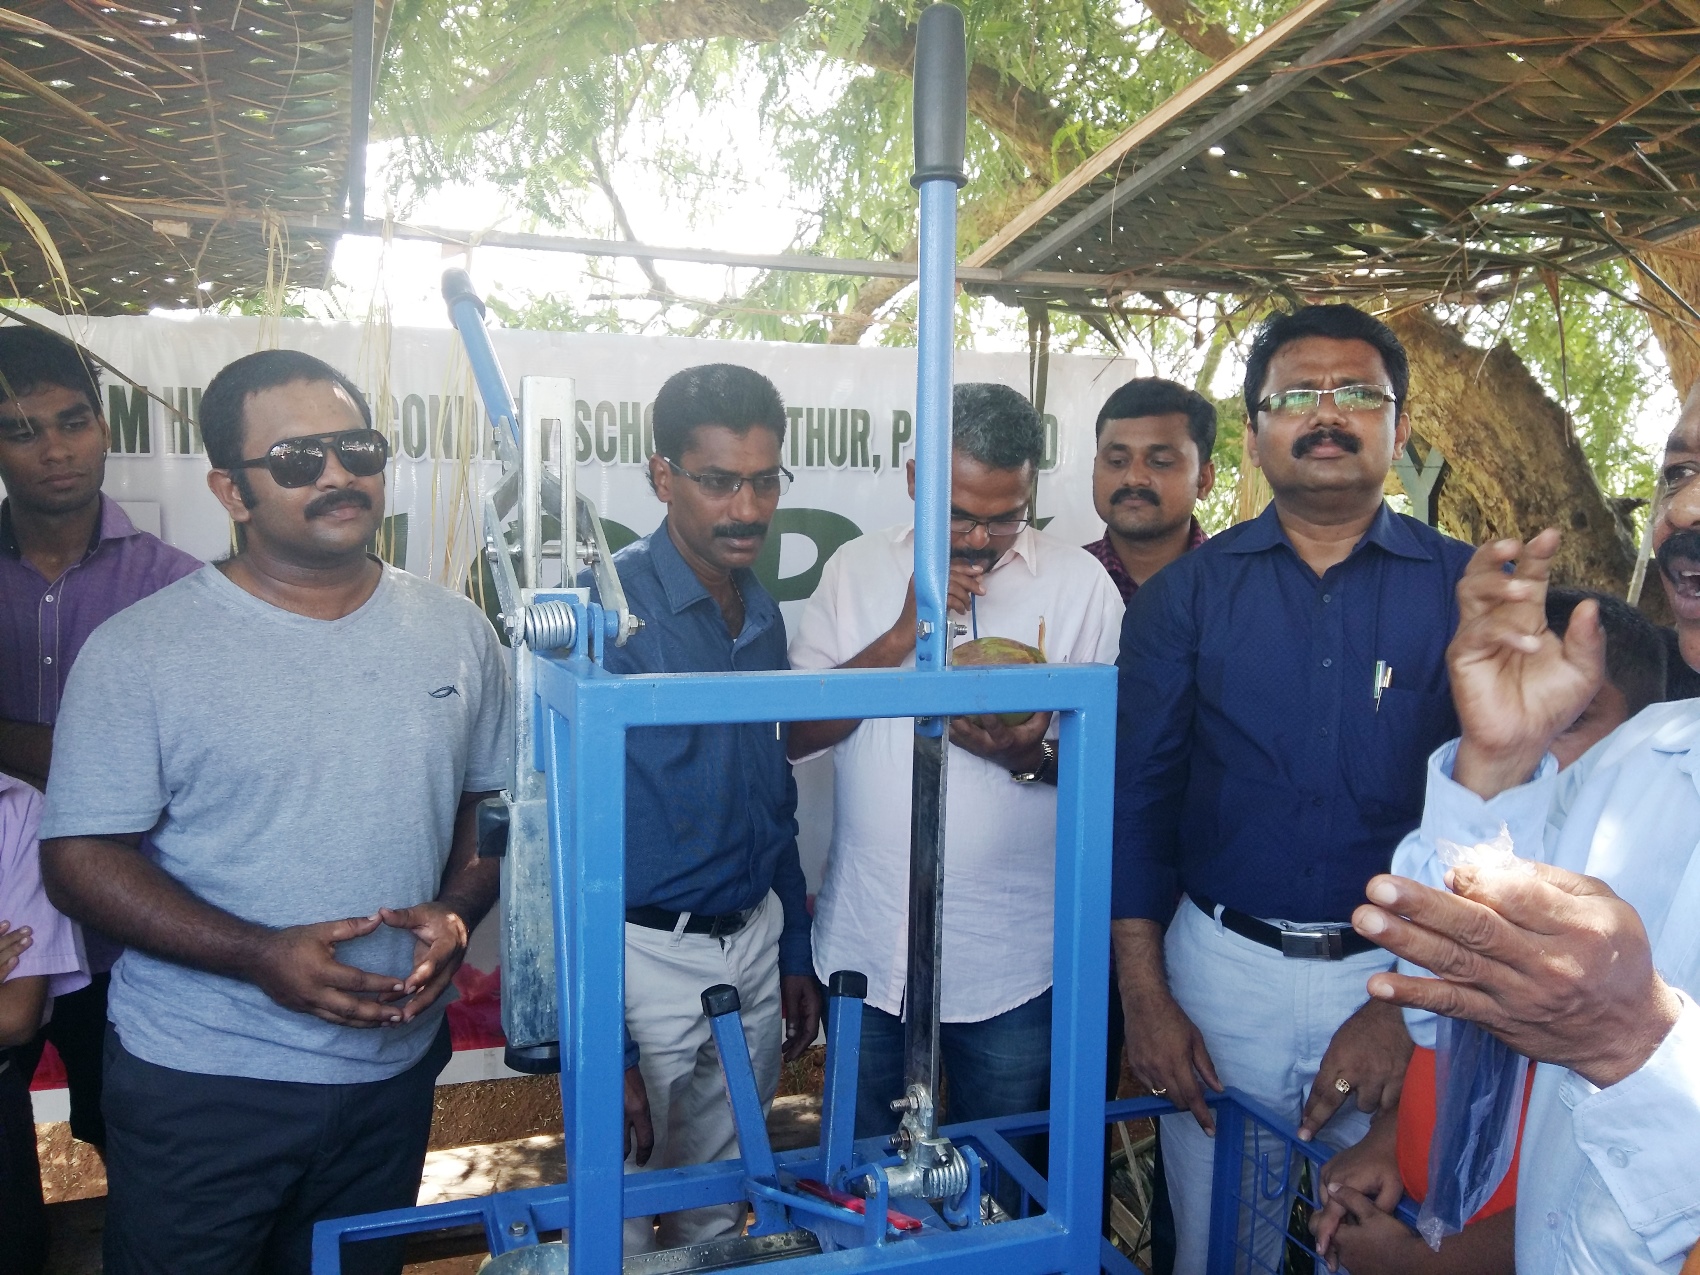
x: 997, y: 1067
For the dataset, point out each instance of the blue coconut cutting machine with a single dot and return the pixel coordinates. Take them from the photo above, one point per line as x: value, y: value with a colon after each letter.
x: 922, y: 1196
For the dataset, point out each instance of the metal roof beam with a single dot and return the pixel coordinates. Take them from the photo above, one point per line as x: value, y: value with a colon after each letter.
x: 163, y: 213
x: 1270, y: 91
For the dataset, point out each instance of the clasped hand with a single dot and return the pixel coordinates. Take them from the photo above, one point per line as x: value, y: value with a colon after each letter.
x: 297, y: 967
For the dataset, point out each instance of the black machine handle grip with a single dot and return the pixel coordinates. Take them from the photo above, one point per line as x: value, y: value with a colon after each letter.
x: 720, y: 999
x: 851, y: 983
x: 457, y: 287
x: 941, y: 96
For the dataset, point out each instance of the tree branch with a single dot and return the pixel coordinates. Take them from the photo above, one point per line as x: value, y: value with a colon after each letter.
x: 1180, y: 18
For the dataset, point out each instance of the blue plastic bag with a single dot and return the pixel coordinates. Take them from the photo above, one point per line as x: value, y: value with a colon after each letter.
x: 1478, y: 1102
x: 1478, y: 1093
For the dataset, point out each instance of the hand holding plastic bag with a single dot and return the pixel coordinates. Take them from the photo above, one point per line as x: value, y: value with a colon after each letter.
x: 1478, y: 1093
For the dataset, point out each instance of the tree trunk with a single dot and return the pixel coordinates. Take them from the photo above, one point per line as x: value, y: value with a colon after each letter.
x: 1514, y: 463
x: 1678, y: 264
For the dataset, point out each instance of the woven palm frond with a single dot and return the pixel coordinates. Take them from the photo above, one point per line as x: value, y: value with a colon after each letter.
x: 107, y: 110
x: 1454, y: 148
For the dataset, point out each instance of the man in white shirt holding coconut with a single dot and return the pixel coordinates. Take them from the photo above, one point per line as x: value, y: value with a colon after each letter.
x: 1016, y: 587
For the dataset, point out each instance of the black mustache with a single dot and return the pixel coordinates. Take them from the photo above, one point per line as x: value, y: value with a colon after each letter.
x: 1125, y: 494
x: 1683, y: 546
x: 322, y: 505
x: 1317, y: 437
x: 986, y: 557
x: 740, y: 530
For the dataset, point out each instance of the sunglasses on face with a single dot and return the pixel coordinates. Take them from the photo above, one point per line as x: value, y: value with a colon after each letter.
x: 1348, y: 398
x: 296, y: 462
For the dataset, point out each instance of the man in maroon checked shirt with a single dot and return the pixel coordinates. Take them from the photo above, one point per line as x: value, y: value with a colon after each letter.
x: 69, y: 560
x: 1151, y: 468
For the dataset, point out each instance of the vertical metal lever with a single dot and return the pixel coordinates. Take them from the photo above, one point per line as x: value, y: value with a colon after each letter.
x: 846, y: 991
x: 721, y: 1004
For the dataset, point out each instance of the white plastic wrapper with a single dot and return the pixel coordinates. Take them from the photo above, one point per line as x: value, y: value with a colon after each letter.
x: 1496, y: 854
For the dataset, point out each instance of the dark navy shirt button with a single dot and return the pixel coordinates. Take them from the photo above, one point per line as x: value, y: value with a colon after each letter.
x: 1323, y: 732
x: 1328, y: 597
x: 1327, y: 663
x: 1316, y: 801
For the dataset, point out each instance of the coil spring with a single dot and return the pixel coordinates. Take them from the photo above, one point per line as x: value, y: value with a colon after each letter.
x: 946, y: 1181
x: 549, y: 626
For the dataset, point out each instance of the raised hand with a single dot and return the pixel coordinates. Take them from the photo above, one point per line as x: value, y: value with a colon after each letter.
x: 1515, y: 683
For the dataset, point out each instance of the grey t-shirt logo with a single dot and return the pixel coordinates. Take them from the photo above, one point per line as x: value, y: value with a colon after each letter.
x: 443, y: 692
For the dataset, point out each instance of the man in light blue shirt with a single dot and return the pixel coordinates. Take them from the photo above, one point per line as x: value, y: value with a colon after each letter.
x: 1593, y: 975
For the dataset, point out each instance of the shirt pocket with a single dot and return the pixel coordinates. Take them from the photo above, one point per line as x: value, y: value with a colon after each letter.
x: 1392, y: 765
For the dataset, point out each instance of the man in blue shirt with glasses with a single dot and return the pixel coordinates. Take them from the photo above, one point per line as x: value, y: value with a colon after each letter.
x: 1281, y: 688
x: 714, y: 887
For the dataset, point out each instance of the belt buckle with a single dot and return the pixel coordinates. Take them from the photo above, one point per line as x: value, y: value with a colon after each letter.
x: 1312, y: 945
x: 727, y: 923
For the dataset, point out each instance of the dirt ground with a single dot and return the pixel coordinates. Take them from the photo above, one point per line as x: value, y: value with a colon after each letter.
x: 486, y: 1136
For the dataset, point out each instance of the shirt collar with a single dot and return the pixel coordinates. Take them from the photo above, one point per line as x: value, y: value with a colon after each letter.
x: 1387, y: 532
x: 684, y: 590
x: 114, y: 524
x: 1025, y: 548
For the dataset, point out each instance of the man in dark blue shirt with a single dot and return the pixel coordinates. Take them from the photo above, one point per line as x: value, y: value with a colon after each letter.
x: 714, y: 887
x: 1281, y: 688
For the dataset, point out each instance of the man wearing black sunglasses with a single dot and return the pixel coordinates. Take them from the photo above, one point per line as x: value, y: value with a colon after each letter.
x: 304, y: 731
x: 714, y: 887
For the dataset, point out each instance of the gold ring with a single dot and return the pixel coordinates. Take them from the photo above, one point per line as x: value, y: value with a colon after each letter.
x: 1343, y: 1085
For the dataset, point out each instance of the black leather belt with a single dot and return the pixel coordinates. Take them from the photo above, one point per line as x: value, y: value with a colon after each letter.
x: 1299, y: 945
x: 719, y: 927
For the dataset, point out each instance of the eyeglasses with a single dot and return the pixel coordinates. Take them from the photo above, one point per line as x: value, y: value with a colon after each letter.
x: 295, y: 462
x: 963, y: 525
x: 725, y: 486
x: 1348, y: 398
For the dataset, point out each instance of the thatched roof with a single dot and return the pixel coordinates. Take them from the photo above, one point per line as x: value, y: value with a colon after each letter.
x: 1417, y: 147
x: 240, y: 104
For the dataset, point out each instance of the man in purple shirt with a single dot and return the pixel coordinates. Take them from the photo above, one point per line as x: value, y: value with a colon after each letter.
x: 1151, y: 468
x: 69, y: 560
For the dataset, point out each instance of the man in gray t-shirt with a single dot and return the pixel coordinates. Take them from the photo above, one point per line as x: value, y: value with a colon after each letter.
x: 303, y: 733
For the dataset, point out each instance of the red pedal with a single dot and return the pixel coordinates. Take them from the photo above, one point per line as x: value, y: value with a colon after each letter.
x: 855, y: 1203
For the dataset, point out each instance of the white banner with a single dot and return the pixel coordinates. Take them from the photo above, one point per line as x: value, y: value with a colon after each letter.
x: 851, y: 412
x: 851, y: 426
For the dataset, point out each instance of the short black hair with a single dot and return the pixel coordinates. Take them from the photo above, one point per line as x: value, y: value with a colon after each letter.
x: 714, y: 394
x: 996, y: 425
x: 1340, y: 322
x: 229, y: 390
x: 1635, y: 649
x: 1155, y: 396
x: 31, y: 359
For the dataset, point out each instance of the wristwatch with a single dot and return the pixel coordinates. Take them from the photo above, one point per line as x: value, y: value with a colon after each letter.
x: 1047, y: 772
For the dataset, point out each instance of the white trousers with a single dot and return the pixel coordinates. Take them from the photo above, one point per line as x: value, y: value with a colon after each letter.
x: 666, y: 975
x: 1267, y: 1021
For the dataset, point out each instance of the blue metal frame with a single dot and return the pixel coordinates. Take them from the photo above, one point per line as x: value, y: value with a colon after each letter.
x: 514, y: 1219
x: 585, y: 712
